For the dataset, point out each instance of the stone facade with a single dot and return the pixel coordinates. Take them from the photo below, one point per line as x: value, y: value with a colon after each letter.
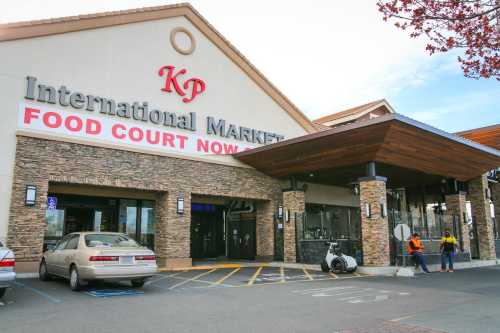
x: 455, y: 205
x: 495, y: 194
x: 293, y: 202
x: 265, y: 230
x: 482, y: 217
x: 40, y: 162
x: 374, y: 228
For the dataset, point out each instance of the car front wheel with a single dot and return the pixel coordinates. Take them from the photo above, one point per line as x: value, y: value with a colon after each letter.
x: 137, y: 283
x: 74, y: 279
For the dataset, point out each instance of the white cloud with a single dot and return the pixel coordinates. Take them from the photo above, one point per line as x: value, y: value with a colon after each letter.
x: 324, y: 55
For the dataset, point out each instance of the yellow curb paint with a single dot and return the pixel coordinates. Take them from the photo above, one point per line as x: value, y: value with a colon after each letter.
x: 227, y: 276
x: 254, y: 277
x: 334, y: 275
x: 205, y: 267
x: 306, y: 273
x: 191, y: 279
x: 282, y: 273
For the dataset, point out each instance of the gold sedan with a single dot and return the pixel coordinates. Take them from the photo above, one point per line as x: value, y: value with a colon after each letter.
x: 86, y: 256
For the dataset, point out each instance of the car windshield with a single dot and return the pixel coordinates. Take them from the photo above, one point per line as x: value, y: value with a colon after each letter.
x: 109, y: 240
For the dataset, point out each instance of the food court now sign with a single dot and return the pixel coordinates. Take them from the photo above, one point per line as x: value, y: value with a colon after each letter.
x: 63, y: 112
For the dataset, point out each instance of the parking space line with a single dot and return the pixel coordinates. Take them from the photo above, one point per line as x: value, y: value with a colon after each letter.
x: 227, y: 276
x: 192, y: 279
x: 254, y: 277
x: 38, y: 292
x: 282, y: 273
x: 163, y: 277
x: 357, y: 274
x: 334, y: 275
x: 306, y: 273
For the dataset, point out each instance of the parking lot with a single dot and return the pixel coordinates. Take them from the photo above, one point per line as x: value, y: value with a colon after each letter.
x: 57, y: 291
x: 249, y: 299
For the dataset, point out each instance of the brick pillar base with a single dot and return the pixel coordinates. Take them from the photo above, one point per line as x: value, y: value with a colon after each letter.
x: 173, y: 231
x: 482, y: 215
x: 374, y: 228
x: 455, y: 205
x: 265, y: 230
x: 294, y: 202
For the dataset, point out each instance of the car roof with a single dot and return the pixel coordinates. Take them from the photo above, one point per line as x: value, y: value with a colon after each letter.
x: 96, y: 233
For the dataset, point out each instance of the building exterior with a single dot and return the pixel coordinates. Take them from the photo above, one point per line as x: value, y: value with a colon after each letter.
x: 150, y: 123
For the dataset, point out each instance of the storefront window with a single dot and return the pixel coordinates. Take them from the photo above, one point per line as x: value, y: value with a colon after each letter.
x: 147, y: 234
x: 55, y: 223
x: 331, y: 222
x: 128, y: 217
x: 434, y: 220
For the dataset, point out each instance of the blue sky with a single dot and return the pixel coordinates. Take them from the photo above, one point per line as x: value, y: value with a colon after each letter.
x: 451, y: 102
x: 326, y: 56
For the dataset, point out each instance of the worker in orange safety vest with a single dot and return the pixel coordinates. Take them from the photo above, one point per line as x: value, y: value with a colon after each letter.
x: 415, y: 248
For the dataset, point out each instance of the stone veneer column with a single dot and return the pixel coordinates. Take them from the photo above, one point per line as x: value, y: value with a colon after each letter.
x: 265, y: 230
x: 173, y: 230
x: 294, y: 203
x: 374, y: 229
x: 455, y: 205
x: 481, y: 212
x: 495, y: 194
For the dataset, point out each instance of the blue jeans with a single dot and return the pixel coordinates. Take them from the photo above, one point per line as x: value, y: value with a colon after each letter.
x: 444, y: 256
x: 420, y: 261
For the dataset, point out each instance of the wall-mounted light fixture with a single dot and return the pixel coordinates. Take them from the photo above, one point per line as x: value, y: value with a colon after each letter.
x: 368, y: 210
x: 355, y: 189
x: 383, y: 209
x: 30, y: 197
x: 180, y: 205
x: 287, y: 216
x: 280, y: 211
x: 487, y: 193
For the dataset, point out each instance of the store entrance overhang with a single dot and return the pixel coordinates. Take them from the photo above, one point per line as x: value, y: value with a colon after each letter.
x: 392, y: 140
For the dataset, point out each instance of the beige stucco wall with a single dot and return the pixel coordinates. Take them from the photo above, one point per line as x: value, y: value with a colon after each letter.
x: 122, y: 62
x: 331, y: 195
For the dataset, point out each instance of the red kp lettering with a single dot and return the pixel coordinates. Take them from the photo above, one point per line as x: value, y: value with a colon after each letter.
x: 189, y: 89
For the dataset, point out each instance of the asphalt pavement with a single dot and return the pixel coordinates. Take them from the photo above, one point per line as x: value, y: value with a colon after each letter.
x: 253, y: 299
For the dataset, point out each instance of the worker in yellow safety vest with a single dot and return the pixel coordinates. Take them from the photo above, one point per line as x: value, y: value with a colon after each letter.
x: 448, y: 245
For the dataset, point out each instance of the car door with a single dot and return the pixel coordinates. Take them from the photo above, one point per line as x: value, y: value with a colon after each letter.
x: 52, y: 257
x: 68, y: 254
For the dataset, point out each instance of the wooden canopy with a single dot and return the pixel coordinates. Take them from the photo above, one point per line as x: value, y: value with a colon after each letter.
x: 488, y: 136
x: 393, y: 140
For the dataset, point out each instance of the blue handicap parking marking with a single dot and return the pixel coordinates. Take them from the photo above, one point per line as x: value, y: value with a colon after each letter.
x: 113, y: 292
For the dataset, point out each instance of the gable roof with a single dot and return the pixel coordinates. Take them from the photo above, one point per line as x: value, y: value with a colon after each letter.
x: 354, y: 113
x: 38, y: 28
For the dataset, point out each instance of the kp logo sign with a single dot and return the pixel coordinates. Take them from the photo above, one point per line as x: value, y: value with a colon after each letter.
x: 187, y: 88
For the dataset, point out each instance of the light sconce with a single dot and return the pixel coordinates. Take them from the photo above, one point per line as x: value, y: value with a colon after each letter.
x: 355, y: 189
x: 180, y: 205
x: 383, y: 209
x: 30, y: 197
x: 368, y: 210
x: 280, y: 211
x: 487, y: 193
x: 287, y: 216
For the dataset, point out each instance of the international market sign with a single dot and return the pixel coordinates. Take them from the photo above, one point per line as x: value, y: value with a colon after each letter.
x: 78, y: 115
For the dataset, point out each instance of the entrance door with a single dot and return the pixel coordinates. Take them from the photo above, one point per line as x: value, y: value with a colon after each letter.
x: 78, y: 219
x: 207, y: 231
x: 242, y: 240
